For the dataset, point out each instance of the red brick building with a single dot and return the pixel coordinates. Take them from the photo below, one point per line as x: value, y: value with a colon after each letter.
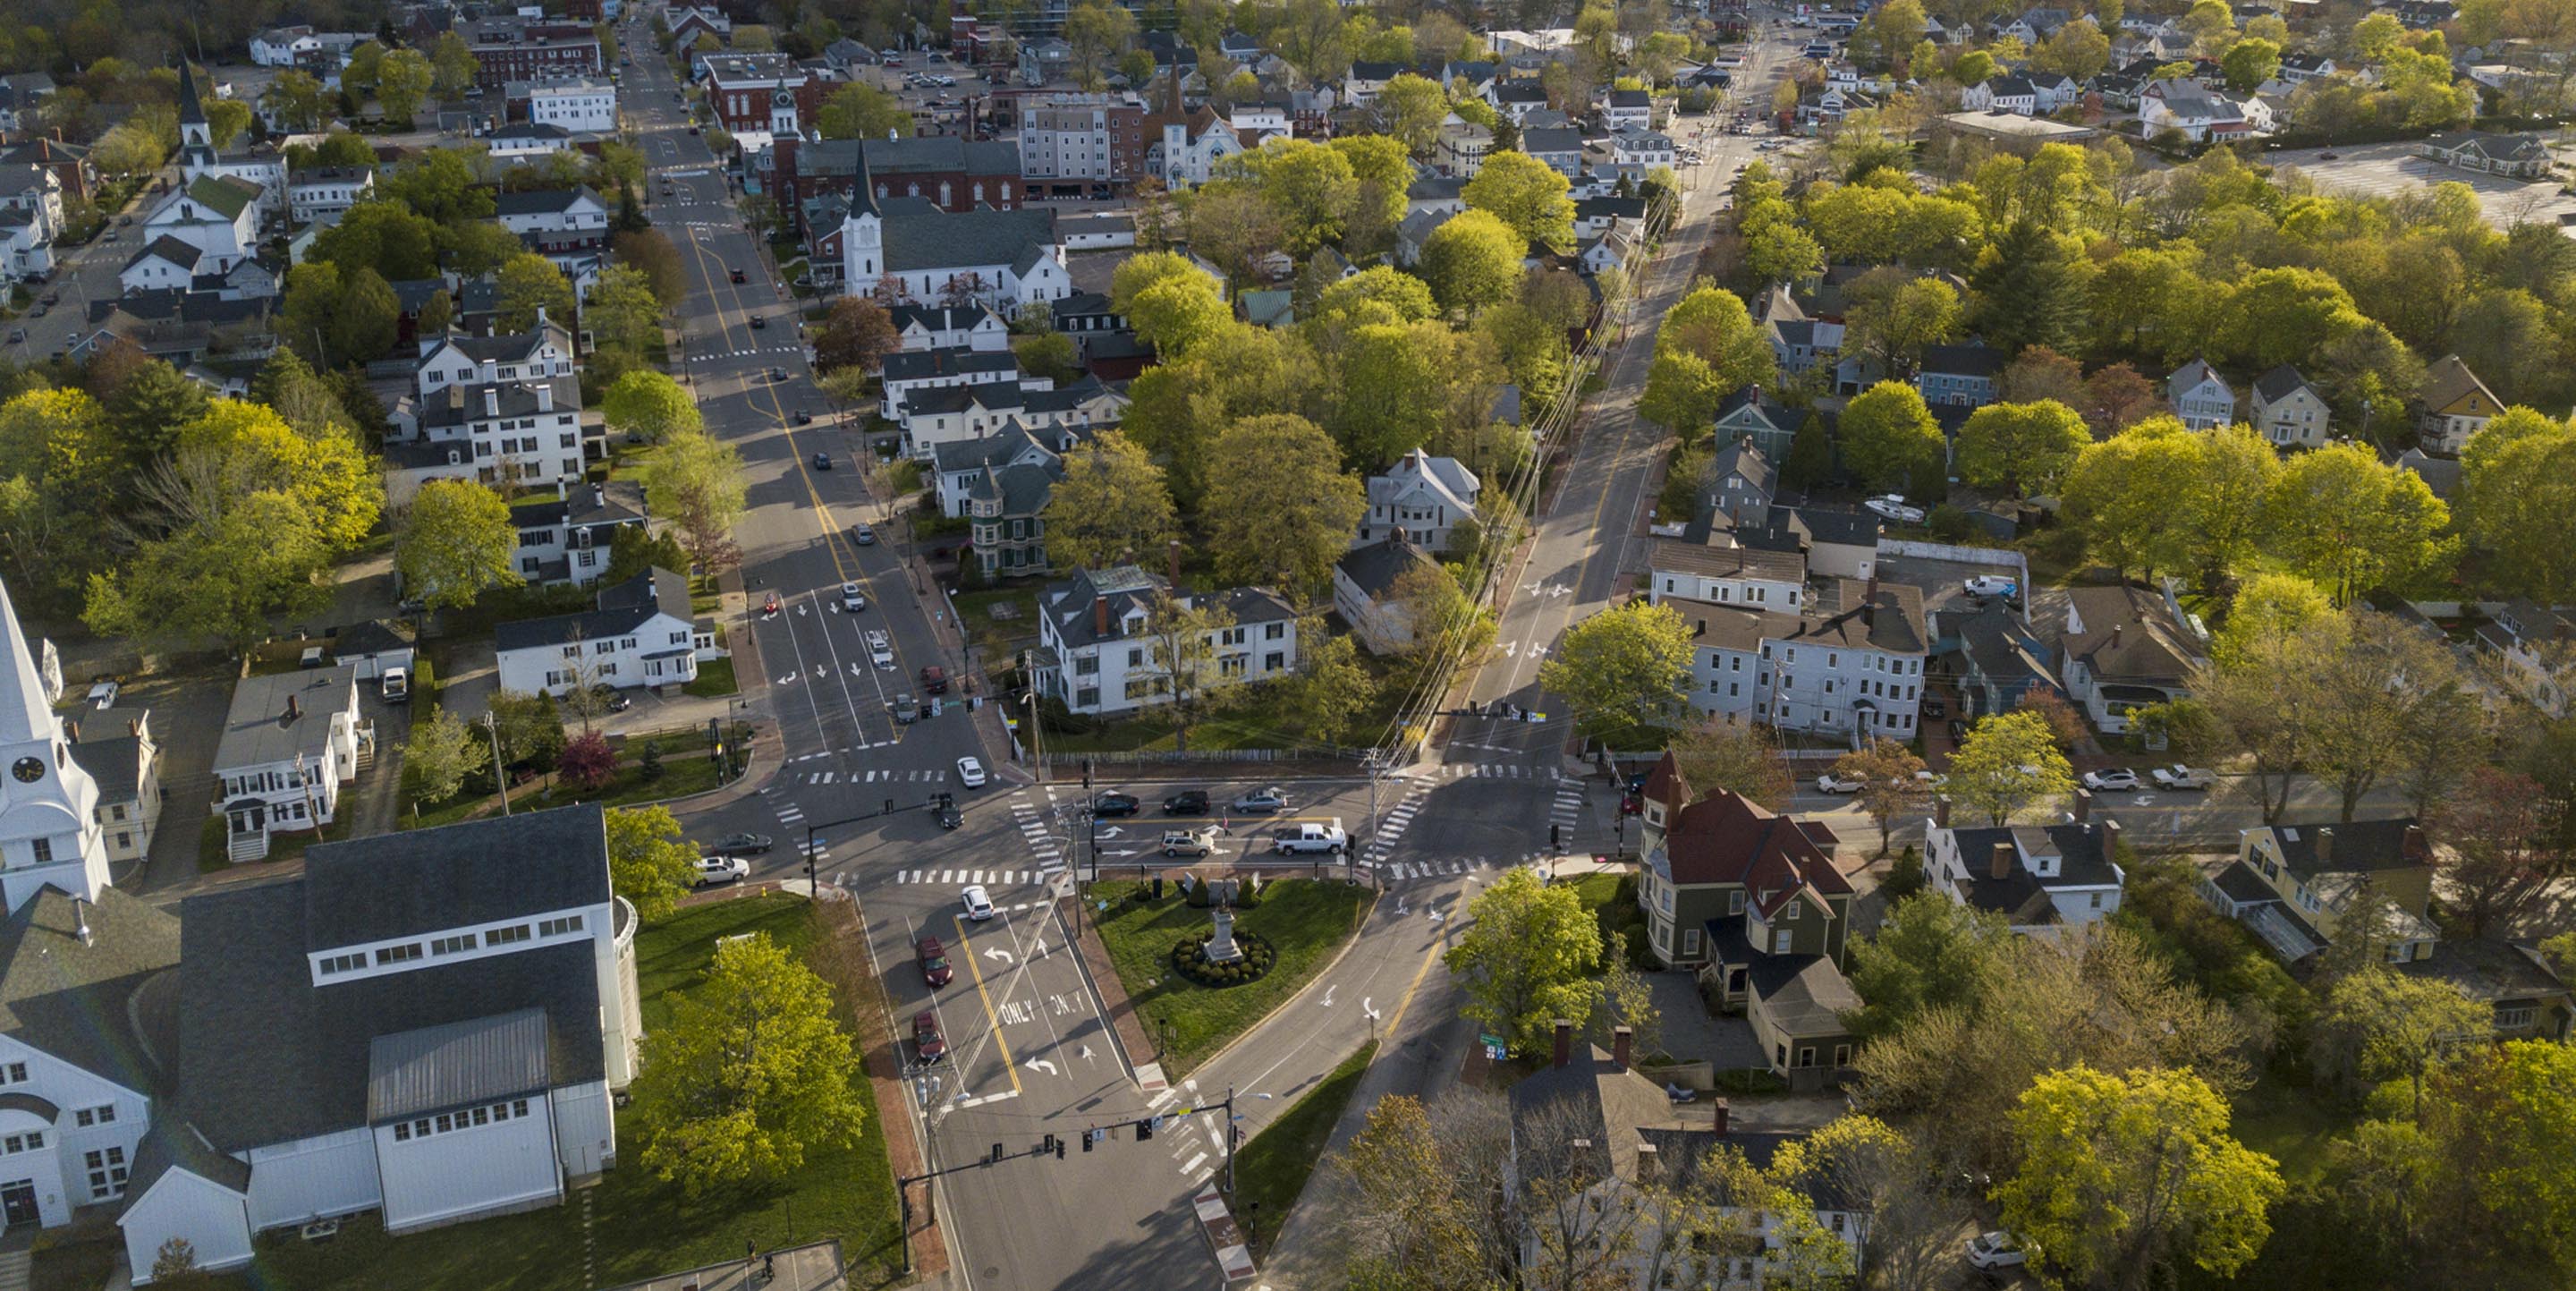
x: 524, y: 49
x: 743, y: 90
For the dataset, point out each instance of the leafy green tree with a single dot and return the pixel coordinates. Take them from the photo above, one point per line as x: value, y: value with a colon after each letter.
x: 2276, y: 316
x: 650, y: 862
x: 2125, y: 1177
x: 652, y: 253
x: 750, y: 1073
x: 218, y: 582
x: 457, y: 541
x: 148, y: 408
x: 127, y: 150
x: 1411, y: 109
x: 1623, y: 667
x: 1097, y: 32
x: 1112, y: 506
x: 2008, y: 764
x: 1143, y: 270
x: 402, y: 81
x: 1180, y: 646
x: 1377, y: 294
x: 381, y: 235
x: 633, y: 551
x: 2026, y: 447
x: 651, y: 406
x: 1176, y: 315
x: 1527, y: 194
x: 1890, y: 787
x: 862, y: 111
x: 1525, y: 958
x: 2342, y: 517
x: 1889, y: 436
x: 1284, y: 524
x: 696, y: 483
x: 2267, y: 605
x: 1391, y: 391
x: 1333, y: 688
x: 1712, y: 324
x: 621, y: 312
x: 440, y: 753
x: 529, y: 282
x: 2517, y: 485
x: 1811, y: 456
x: 2121, y: 494
x: 1307, y: 187
x: 1472, y: 261
x: 857, y: 333
x: 295, y: 98
x: 1893, y: 315
x: 2031, y: 289
x: 2379, y: 1024
x: 2250, y: 62
x: 1930, y: 953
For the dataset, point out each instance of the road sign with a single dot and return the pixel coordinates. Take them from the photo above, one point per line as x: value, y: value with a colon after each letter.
x: 1494, y: 1049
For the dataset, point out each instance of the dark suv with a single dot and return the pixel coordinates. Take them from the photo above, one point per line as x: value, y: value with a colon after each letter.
x: 1188, y: 802
x: 1115, y: 804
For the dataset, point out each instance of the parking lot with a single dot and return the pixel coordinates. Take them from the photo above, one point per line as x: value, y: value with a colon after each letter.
x: 2388, y: 169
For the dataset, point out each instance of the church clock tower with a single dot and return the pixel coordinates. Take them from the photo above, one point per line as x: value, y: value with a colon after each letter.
x: 49, y: 827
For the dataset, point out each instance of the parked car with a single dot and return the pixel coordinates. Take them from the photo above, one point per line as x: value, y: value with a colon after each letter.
x: 1993, y: 585
x: 852, y: 599
x: 934, y: 680
x: 1831, y: 783
x: 713, y: 870
x: 970, y: 773
x: 1188, y: 802
x: 2181, y: 777
x: 926, y: 1039
x: 1262, y: 800
x: 395, y: 685
x: 1996, y: 1250
x: 1892, y: 506
x: 1190, y: 842
x: 1114, y: 803
x: 611, y: 699
x: 102, y: 694
x: 1958, y: 731
x: 979, y: 907
x: 933, y: 959
x: 2111, y: 780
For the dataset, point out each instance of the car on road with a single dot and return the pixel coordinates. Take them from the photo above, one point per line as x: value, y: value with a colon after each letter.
x: 1188, y: 802
x: 1831, y: 783
x: 861, y: 534
x: 970, y: 772
x: 852, y: 599
x: 903, y: 709
x: 2111, y: 780
x: 944, y: 809
x: 713, y: 870
x: 744, y: 845
x: 880, y: 650
x: 979, y: 907
x: 1996, y: 1250
x: 934, y: 680
x: 759, y: 322
x: 1311, y: 836
x: 2329, y: 156
x: 778, y: 374
x: 1262, y: 800
x: 933, y: 959
x: 1114, y: 803
x: 822, y: 461
x: 1190, y: 842
x: 2181, y: 777
x: 1892, y: 506
x: 926, y: 1039
x: 693, y: 127
x: 737, y: 275
x: 1993, y: 585
x: 666, y: 190
x: 125, y: 222
x: 803, y: 418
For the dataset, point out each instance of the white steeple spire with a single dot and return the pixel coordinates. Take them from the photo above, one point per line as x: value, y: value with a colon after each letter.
x: 24, y: 714
x: 49, y: 828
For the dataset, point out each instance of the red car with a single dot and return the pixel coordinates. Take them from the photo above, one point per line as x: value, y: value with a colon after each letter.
x: 933, y: 958
x: 934, y: 679
x: 926, y: 1038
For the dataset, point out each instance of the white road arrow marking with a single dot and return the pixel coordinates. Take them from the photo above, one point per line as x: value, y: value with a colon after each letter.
x: 1037, y: 949
x: 1368, y: 1007
x: 801, y: 608
x: 787, y: 679
x: 2145, y: 800
x: 1436, y: 916
x: 1399, y: 906
x: 1040, y: 1064
x: 996, y: 952
x: 834, y: 607
x: 1113, y: 831
x: 857, y: 671
x: 1086, y: 1053
x: 1328, y: 995
x: 821, y: 671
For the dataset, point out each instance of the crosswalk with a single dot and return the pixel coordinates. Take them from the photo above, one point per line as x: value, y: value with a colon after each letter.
x: 1192, y: 1141
x: 1393, y: 872
x: 960, y: 878
x: 938, y: 775
x: 1041, y: 840
x: 1567, y: 812
x: 1398, y: 819
x: 1486, y: 771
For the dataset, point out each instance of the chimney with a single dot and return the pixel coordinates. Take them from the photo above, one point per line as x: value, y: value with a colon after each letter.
x: 2083, y: 806
x: 1100, y: 616
x: 1623, y: 1041
x: 2325, y: 847
x: 2415, y: 846
x: 1869, y: 599
x: 545, y: 398
x: 294, y: 708
x: 2115, y: 636
x: 1564, y: 1042
x: 1718, y: 1106
x: 1172, y: 562
x: 491, y: 401
x: 2000, y: 866
x: 1940, y: 811
x: 71, y: 728
x: 1649, y: 1162
x: 133, y: 727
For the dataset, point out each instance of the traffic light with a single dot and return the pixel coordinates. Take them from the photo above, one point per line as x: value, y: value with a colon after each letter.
x: 1086, y: 773
x: 1059, y: 1146
x: 996, y: 1158
x: 1144, y: 1129
x: 1556, y: 837
x: 1089, y: 1137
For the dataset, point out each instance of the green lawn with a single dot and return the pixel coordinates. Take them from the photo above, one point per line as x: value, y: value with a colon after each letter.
x: 1265, y: 715
x: 2291, y: 1126
x: 686, y: 769
x: 1305, y: 920
x: 633, y: 1225
x: 999, y: 638
x: 1277, y: 1161
x: 715, y: 677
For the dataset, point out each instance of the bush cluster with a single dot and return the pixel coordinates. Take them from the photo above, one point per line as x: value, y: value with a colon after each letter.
x: 1258, y: 959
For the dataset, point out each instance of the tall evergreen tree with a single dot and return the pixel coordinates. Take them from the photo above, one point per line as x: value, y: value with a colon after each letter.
x: 2030, y: 290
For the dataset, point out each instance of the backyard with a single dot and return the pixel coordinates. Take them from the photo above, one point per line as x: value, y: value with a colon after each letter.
x: 1304, y: 920
x: 631, y: 1225
x: 685, y: 769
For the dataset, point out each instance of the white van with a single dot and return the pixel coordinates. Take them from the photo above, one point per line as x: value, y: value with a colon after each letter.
x: 397, y: 684
x: 1312, y: 836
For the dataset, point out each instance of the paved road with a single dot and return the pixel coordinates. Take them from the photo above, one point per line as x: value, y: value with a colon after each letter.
x: 81, y: 276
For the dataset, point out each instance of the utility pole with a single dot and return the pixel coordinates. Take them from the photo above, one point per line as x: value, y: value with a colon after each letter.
x: 500, y: 777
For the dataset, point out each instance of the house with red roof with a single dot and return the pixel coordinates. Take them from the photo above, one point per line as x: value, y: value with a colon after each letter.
x: 1752, y: 901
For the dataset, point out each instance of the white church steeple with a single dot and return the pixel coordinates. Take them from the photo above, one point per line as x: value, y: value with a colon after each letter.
x: 49, y: 826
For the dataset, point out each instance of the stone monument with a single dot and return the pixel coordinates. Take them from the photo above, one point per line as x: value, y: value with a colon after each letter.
x: 1220, y: 949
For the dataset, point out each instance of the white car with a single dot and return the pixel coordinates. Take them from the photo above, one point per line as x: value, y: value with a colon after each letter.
x: 2179, y: 776
x: 1993, y: 585
x: 880, y: 651
x: 1891, y: 506
x: 1996, y: 1250
x: 2111, y: 780
x: 979, y: 907
x: 1831, y: 783
x: 713, y: 870
x: 852, y: 599
x: 970, y: 773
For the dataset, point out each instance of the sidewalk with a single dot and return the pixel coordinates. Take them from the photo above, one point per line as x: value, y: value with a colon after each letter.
x: 1129, y: 1030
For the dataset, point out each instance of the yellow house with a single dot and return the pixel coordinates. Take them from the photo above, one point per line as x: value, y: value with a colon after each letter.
x: 2454, y: 405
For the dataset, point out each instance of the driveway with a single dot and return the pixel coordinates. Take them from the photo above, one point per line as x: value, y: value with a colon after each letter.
x: 187, y: 720
x: 1693, y: 1034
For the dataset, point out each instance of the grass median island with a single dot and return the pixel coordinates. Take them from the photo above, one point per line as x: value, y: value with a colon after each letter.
x: 1278, y: 1160
x: 1304, y: 920
x: 632, y: 1225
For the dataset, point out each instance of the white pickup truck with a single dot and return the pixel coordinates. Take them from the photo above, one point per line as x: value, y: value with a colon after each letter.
x: 1311, y: 836
x: 2181, y: 777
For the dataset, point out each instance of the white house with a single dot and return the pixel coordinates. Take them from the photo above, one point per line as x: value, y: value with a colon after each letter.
x: 1643, y: 150
x: 1097, y: 628
x: 959, y: 464
x: 1366, y: 592
x: 218, y: 215
x: 2039, y: 877
x: 2288, y: 411
x: 910, y: 372
x: 283, y: 46
x: 946, y: 327
x: 526, y: 433
x: 439, y: 1015
x: 2006, y: 93
x: 115, y: 746
x: 325, y: 192
x: 26, y: 245
x: 2532, y: 641
x: 1423, y: 497
x: 551, y: 210
x: 1627, y: 110
x: 290, y: 742
x: 568, y: 538
x: 639, y: 636
x: 1189, y: 151
x: 36, y: 191
x: 259, y: 166
x: 1848, y: 668
x: 521, y: 140
x: 2124, y: 648
x: 577, y: 104
x: 910, y: 249
x: 542, y: 351
x: 2200, y: 396
x: 165, y: 264
x: 2184, y: 106
x: 1462, y: 147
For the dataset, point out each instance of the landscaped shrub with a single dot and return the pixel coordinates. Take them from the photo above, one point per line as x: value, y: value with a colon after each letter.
x: 1259, y: 957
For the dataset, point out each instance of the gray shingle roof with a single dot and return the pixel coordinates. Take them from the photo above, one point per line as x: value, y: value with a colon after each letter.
x: 456, y: 1064
x: 68, y: 998
x: 1537, y: 142
x: 257, y: 730
x: 115, y: 763
x: 622, y: 609
x: 172, y: 1143
x: 935, y: 239
x: 922, y: 365
x: 1375, y: 568
x: 2278, y: 384
x: 459, y: 404
x: 183, y: 254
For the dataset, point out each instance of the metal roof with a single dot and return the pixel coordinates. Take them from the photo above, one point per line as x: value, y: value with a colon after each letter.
x: 457, y: 1064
